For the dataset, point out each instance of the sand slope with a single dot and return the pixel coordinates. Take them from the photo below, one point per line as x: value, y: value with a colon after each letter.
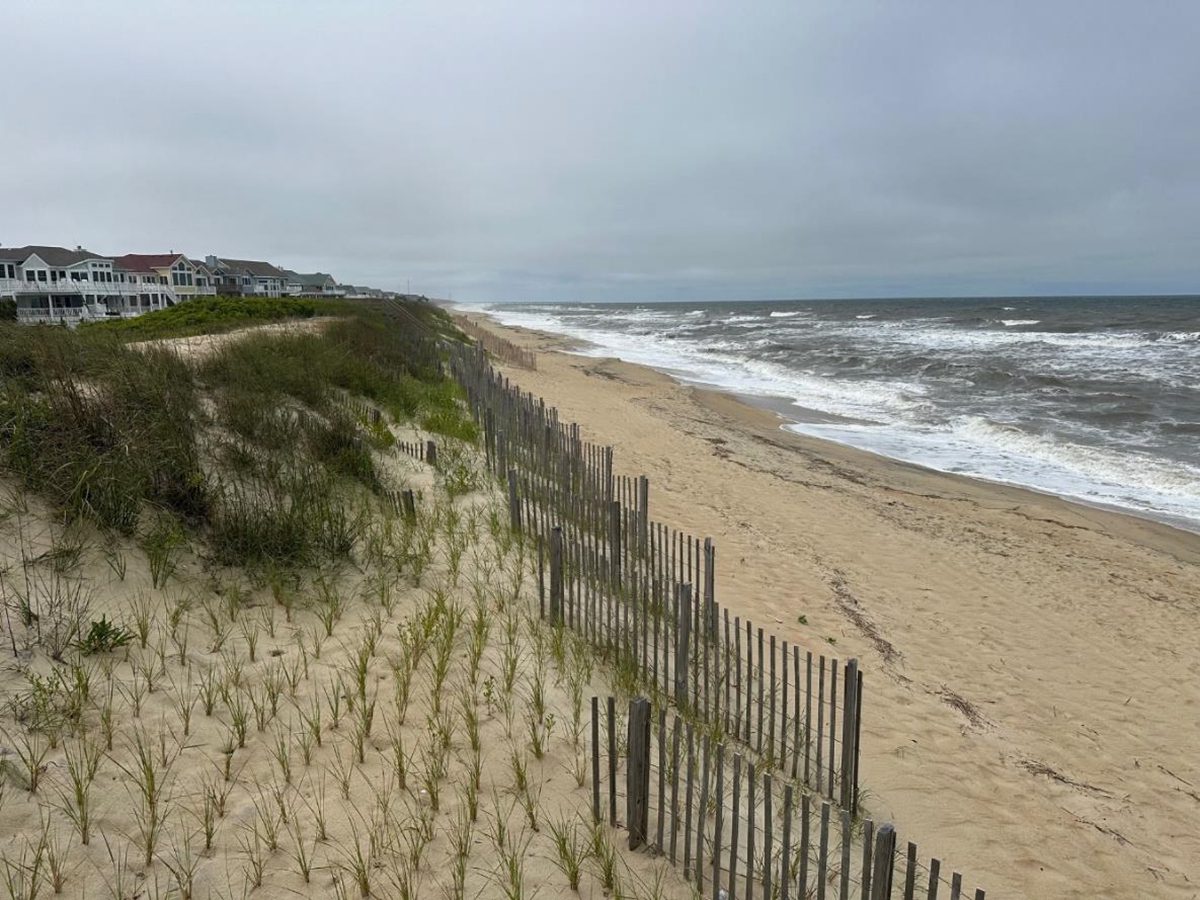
x: 1031, y: 691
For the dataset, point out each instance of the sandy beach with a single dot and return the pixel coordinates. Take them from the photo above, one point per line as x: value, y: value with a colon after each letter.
x: 1031, y: 703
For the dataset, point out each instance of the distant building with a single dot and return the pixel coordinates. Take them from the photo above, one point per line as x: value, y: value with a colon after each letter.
x: 182, y: 274
x: 360, y: 292
x: 316, y: 284
x: 246, y: 277
x: 149, y: 288
x: 54, y: 284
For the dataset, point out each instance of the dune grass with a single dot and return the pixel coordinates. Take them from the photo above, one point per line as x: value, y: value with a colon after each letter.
x: 255, y: 448
x: 213, y: 314
x: 278, y: 684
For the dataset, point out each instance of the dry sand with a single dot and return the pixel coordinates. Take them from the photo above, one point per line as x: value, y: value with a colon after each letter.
x: 1031, y: 706
x: 285, y: 652
x: 198, y: 346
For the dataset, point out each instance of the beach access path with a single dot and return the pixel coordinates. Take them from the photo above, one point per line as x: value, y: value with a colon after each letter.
x: 1032, y: 711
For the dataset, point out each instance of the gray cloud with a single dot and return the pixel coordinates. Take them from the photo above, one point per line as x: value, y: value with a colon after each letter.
x: 565, y: 150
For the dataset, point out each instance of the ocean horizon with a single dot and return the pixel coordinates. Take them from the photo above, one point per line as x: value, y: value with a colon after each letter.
x: 1091, y: 398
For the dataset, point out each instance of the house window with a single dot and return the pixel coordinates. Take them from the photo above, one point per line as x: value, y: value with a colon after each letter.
x: 41, y: 275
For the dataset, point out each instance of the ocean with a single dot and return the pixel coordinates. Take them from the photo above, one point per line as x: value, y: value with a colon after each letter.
x: 1091, y: 398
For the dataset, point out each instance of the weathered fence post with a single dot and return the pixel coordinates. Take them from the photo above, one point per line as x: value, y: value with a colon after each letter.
x: 614, y: 540
x: 431, y: 453
x: 541, y: 560
x: 643, y: 514
x: 409, y: 501
x: 637, y: 772
x: 596, y: 760
x: 514, y: 503
x: 682, y: 635
x: 710, y: 595
x: 849, y: 733
x: 556, y: 575
x: 785, y: 863
x: 612, y: 761
x: 881, y: 877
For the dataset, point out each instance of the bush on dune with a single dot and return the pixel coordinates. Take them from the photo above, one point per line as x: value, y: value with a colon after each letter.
x: 253, y: 447
x: 101, y: 430
x: 212, y: 314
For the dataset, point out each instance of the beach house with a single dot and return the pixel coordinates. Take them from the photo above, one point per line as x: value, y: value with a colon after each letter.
x: 175, y: 269
x: 55, y: 284
x: 246, y: 277
x: 315, y: 284
x: 148, y: 287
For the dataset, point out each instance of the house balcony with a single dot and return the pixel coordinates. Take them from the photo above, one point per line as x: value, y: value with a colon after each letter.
x: 72, y: 315
x: 18, y: 287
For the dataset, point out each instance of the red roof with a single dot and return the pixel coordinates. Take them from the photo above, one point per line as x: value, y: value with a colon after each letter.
x: 146, y: 262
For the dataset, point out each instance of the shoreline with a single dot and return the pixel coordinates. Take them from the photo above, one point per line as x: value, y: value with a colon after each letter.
x: 807, y: 422
x: 1016, y: 645
x: 772, y: 414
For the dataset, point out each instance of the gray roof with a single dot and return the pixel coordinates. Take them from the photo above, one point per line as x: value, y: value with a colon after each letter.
x: 52, y: 256
x: 312, y: 279
x: 250, y: 267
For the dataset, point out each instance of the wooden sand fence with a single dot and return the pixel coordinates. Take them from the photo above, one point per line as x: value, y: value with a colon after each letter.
x: 644, y: 595
x: 736, y: 829
x: 500, y: 348
x: 625, y: 583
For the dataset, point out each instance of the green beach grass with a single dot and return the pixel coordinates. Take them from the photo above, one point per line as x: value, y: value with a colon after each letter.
x: 255, y: 446
x: 209, y: 315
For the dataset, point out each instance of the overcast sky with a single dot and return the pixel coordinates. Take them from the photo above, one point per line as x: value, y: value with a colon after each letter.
x: 618, y: 151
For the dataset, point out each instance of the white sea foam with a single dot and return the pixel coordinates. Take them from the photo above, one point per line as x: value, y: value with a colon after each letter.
x: 973, y: 446
x: 778, y: 314
x: 868, y: 316
x: 1010, y: 322
x: 899, y: 417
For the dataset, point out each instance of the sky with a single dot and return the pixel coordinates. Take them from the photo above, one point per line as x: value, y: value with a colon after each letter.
x: 636, y: 151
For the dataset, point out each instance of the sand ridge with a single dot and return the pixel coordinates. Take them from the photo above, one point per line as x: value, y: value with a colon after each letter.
x: 301, y: 738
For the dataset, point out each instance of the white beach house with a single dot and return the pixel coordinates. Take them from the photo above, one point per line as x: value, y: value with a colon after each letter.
x: 54, y: 284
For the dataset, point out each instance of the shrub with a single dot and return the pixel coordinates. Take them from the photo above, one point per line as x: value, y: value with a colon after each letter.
x: 251, y: 446
x: 99, y: 428
x: 213, y: 314
x: 292, y: 516
x: 104, y: 637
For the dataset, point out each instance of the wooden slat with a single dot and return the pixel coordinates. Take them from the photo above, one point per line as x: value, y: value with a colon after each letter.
x: 596, y: 759
x: 735, y: 823
x: 637, y: 772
